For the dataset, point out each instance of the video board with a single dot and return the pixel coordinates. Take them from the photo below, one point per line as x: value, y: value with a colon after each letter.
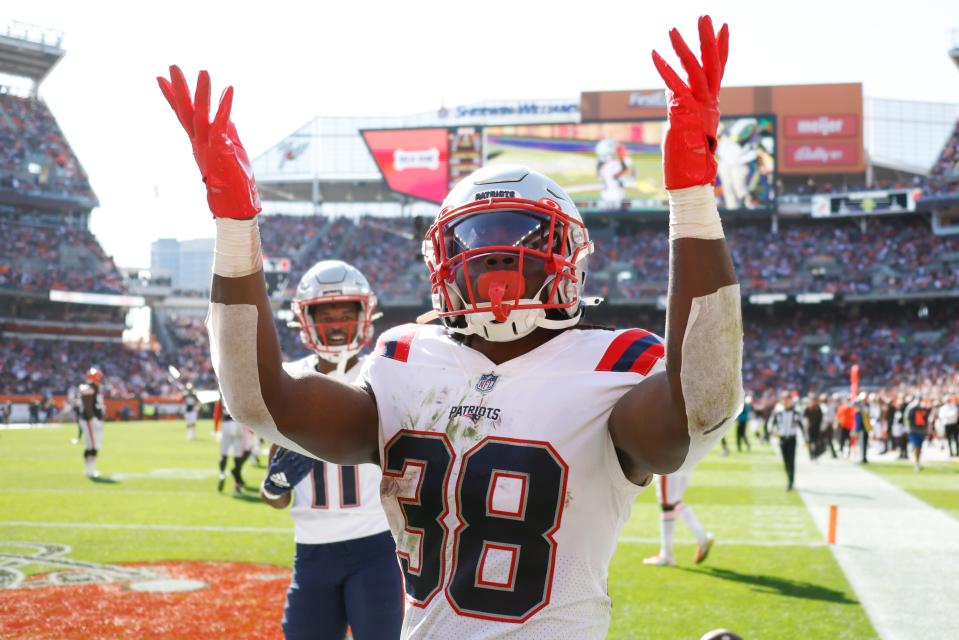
x: 604, y: 166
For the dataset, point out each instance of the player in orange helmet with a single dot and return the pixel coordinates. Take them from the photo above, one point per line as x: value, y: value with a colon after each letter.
x: 91, y: 419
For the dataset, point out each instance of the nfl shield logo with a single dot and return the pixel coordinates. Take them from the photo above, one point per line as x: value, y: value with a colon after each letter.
x: 486, y: 382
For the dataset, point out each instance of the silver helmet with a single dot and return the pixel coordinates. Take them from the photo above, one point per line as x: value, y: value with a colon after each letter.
x: 334, y: 281
x: 507, y: 253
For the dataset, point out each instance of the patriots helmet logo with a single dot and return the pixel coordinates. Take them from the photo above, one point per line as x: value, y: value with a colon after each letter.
x: 486, y: 382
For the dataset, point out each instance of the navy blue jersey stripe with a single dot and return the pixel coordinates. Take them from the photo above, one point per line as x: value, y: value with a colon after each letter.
x: 389, y: 349
x: 633, y: 353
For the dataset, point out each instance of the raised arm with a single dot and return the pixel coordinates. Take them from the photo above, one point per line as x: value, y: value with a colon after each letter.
x: 671, y: 419
x: 309, y: 413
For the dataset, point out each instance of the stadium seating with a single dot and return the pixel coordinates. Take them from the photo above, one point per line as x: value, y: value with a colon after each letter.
x: 35, y: 157
x: 891, y: 255
x: 36, y: 257
x: 944, y: 175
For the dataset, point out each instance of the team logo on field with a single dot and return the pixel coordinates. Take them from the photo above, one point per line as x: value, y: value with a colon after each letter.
x: 486, y: 382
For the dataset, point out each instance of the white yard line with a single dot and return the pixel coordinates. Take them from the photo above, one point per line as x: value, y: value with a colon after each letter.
x: 901, y: 555
x: 147, y: 527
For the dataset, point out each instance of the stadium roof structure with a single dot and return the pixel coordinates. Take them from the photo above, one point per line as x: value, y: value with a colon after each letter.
x: 29, y: 51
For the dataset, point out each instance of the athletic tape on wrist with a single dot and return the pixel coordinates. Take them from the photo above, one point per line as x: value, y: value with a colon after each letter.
x: 270, y: 495
x: 232, y: 331
x: 693, y: 213
x: 237, y: 250
x: 712, y: 370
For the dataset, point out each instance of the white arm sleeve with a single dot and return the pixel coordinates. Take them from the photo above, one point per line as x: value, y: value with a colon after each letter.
x: 232, y: 331
x: 712, y: 371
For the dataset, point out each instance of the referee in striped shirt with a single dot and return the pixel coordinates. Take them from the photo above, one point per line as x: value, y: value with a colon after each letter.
x: 786, y: 421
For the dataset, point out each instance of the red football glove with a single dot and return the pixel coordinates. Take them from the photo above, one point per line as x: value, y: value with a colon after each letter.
x: 224, y: 165
x: 693, y: 111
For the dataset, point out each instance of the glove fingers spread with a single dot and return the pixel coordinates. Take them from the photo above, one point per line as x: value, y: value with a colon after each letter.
x: 181, y: 94
x: 201, y: 107
x: 670, y: 77
x: 167, y: 89
x: 221, y: 122
x: 723, y: 47
x: 710, y: 53
x: 697, y: 79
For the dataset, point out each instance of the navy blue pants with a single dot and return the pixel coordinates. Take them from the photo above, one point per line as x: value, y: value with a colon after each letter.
x: 353, y: 582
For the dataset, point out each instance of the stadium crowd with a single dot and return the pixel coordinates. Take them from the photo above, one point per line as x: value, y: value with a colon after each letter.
x: 50, y: 367
x: 35, y: 258
x: 34, y: 154
x: 889, y: 255
x: 806, y: 351
x: 944, y: 175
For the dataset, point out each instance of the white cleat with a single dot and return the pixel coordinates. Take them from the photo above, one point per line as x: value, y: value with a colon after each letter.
x: 659, y: 561
x: 702, y: 549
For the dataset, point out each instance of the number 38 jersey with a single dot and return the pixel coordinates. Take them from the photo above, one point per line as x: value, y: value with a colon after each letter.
x: 501, y: 483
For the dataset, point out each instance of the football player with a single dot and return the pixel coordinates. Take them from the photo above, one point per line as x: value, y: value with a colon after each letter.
x: 91, y: 419
x: 191, y: 407
x: 613, y: 166
x: 345, y: 570
x: 512, y: 442
x: 233, y: 442
x: 669, y: 493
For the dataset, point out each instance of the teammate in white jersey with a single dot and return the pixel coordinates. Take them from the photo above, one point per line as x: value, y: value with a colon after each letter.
x: 512, y: 442
x: 233, y: 443
x: 345, y: 571
x: 669, y: 494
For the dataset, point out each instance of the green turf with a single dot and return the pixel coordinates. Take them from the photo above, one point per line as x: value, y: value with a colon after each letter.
x: 161, y: 478
x: 769, y: 576
x: 937, y: 483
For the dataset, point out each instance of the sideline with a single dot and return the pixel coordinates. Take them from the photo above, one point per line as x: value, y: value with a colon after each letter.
x: 900, y: 555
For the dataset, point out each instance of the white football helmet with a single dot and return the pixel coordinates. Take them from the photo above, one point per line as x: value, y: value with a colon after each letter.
x: 507, y: 253
x: 331, y: 281
x: 606, y: 149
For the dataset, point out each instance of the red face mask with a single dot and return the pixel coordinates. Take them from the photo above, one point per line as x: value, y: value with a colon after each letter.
x: 500, y: 252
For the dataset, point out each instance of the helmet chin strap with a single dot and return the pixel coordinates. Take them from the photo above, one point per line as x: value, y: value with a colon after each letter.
x: 515, y: 324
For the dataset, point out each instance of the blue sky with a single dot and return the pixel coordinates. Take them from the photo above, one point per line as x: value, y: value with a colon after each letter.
x: 379, y: 58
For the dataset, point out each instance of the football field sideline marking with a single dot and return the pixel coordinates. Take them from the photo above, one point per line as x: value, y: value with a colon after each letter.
x: 892, y: 547
x: 154, y: 527
x: 731, y: 542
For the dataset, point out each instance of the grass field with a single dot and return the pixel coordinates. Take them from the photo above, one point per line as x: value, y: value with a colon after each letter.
x: 769, y: 575
x: 937, y: 483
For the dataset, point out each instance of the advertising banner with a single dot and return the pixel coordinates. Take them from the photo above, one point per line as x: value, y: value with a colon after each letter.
x: 413, y: 162
x: 820, y: 154
x: 822, y: 126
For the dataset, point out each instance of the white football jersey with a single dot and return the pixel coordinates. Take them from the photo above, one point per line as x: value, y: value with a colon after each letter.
x: 501, y: 483
x: 333, y: 502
